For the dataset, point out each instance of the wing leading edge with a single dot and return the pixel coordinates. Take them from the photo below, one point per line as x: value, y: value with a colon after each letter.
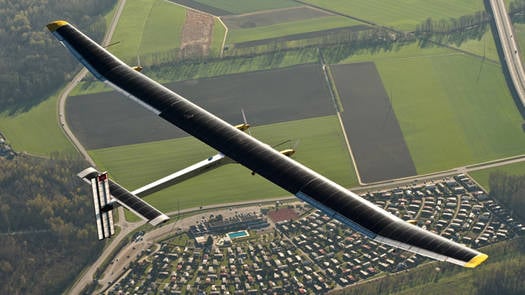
x: 334, y: 200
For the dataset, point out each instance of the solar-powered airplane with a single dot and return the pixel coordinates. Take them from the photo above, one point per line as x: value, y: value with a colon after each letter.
x: 232, y: 143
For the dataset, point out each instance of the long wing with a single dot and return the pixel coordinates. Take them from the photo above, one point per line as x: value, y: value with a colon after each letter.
x: 334, y: 200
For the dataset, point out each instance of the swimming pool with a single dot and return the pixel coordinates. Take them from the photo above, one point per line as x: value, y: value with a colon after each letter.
x: 238, y: 234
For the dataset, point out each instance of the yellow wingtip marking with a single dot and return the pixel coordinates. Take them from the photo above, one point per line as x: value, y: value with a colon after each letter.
x: 53, y: 26
x: 477, y: 260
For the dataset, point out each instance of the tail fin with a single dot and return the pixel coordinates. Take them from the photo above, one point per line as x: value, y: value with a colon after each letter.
x: 101, y: 200
x: 106, y: 195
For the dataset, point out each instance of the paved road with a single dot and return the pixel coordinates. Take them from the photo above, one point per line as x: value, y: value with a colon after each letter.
x: 87, y: 275
x: 509, y: 46
x: 73, y: 83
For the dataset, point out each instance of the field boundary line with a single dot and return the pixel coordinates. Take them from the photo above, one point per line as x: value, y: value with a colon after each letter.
x: 225, y: 35
x: 349, y: 149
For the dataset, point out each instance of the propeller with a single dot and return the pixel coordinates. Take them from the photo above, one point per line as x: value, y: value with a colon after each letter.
x: 245, y: 125
x: 138, y: 67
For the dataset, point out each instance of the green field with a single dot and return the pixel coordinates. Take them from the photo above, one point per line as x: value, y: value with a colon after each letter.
x: 163, y: 28
x: 486, y: 46
x: 146, y: 27
x: 245, y: 6
x: 187, y: 71
x: 129, y: 29
x: 482, y: 176
x: 36, y: 131
x: 218, y: 36
x: 453, y: 109
x: 321, y: 147
x: 401, y: 14
x: 289, y: 28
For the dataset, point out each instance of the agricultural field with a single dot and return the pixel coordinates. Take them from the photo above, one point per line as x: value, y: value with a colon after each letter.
x: 151, y: 29
x: 296, y: 93
x: 227, y: 7
x: 321, y: 147
x: 289, y: 28
x: 403, y: 14
x: 453, y: 109
x: 129, y: 29
x: 482, y: 176
x: 162, y: 29
x: 485, y: 46
x: 270, y: 17
x: 373, y: 131
x: 36, y: 131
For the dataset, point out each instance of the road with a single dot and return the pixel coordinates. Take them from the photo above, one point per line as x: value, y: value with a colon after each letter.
x: 87, y: 276
x: 509, y: 47
x: 62, y: 98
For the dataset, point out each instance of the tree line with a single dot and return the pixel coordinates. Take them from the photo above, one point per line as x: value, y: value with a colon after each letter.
x: 510, y: 191
x: 47, y: 234
x: 32, y: 62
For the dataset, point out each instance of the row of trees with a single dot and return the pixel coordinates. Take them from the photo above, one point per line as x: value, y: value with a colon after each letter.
x: 32, y: 62
x: 510, y: 191
x: 46, y: 227
x: 453, y: 30
x: 517, y: 11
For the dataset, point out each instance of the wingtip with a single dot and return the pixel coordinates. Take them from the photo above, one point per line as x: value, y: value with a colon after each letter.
x: 477, y: 260
x: 53, y: 26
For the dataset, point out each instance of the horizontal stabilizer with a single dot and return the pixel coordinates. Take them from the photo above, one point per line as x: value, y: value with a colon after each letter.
x: 125, y: 198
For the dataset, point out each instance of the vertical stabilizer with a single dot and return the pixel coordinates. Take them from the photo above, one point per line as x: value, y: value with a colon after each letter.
x: 101, y: 199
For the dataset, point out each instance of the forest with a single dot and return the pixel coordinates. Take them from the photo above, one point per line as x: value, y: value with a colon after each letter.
x: 32, y: 67
x: 46, y: 230
x: 510, y: 191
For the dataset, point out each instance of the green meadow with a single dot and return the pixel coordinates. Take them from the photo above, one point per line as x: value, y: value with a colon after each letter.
x: 163, y: 28
x: 482, y: 176
x: 36, y: 131
x: 321, y: 147
x: 218, y: 36
x: 453, y: 109
x: 146, y: 27
x: 401, y: 14
x: 485, y: 46
x: 289, y: 28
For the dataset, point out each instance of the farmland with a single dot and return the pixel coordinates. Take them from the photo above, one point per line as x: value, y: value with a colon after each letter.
x: 297, y: 93
x: 35, y: 131
x: 453, y: 109
x: 321, y: 148
x: 402, y: 14
x: 482, y: 176
x: 375, y: 136
x: 290, y: 28
x: 162, y: 28
x: 266, y: 18
x: 129, y: 29
x: 225, y: 7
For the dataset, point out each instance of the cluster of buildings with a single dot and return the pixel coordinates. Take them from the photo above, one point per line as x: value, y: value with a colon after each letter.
x: 219, y: 225
x: 311, y: 253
